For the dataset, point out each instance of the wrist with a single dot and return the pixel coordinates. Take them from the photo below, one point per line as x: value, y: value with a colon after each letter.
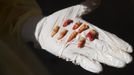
x: 28, y: 28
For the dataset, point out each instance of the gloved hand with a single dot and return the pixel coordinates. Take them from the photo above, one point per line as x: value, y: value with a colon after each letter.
x: 66, y: 35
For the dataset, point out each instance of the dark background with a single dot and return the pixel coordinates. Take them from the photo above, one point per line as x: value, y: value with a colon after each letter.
x: 115, y: 16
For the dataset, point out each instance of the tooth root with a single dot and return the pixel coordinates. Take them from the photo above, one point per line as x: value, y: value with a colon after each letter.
x: 92, y: 34
x: 72, y: 36
x: 53, y: 33
x: 81, y: 42
x: 62, y: 34
x: 77, y: 25
x: 67, y: 22
x: 83, y: 27
x: 55, y: 30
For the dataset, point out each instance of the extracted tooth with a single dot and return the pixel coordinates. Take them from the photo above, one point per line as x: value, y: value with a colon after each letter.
x: 81, y: 42
x: 92, y: 34
x: 83, y: 27
x: 55, y: 30
x: 62, y: 34
x: 67, y: 22
x: 72, y: 36
x: 76, y: 25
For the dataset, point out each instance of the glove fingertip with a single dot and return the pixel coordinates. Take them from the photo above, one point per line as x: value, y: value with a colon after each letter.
x: 91, y: 65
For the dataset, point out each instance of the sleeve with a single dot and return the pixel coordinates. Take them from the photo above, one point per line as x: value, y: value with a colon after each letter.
x: 83, y: 8
x: 91, y: 5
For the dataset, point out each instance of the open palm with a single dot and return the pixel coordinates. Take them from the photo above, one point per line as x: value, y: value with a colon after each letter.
x: 107, y: 48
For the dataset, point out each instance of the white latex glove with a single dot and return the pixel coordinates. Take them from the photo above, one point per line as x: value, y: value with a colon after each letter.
x: 107, y: 49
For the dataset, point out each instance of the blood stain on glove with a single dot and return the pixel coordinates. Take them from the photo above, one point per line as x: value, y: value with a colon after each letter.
x: 72, y: 36
x: 81, y: 42
x: 67, y: 22
x: 92, y: 34
x: 55, y: 30
x: 62, y: 34
x: 76, y: 25
x: 83, y: 27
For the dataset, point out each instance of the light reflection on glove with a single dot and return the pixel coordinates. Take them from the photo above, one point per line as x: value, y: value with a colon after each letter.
x: 107, y: 48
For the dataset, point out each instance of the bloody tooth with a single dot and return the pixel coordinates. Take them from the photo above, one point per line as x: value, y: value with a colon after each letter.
x: 76, y: 25
x: 83, y: 27
x: 72, y: 36
x: 67, y: 22
x: 81, y: 42
x: 62, y: 34
x: 55, y: 30
x: 91, y: 35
